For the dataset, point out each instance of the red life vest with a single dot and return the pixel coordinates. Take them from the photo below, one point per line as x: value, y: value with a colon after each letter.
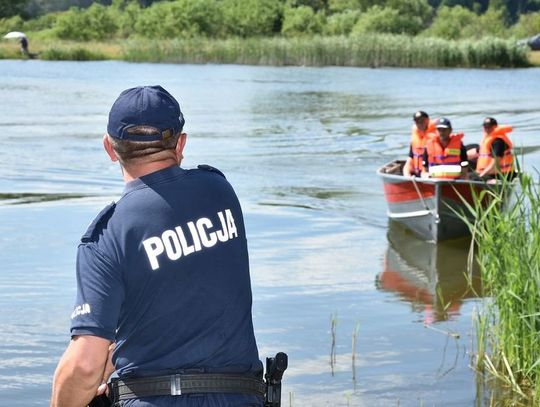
x: 418, y: 145
x: 449, y: 155
x: 485, y: 155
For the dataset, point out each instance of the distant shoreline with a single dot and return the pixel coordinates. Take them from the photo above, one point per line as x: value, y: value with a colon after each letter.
x: 378, y: 50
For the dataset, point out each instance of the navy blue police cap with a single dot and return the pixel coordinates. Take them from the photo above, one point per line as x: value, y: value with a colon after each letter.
x: 443, y: 123
x: 149, y: 106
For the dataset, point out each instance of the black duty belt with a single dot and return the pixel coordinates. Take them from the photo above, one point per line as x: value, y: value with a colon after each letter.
x: 176, y: 385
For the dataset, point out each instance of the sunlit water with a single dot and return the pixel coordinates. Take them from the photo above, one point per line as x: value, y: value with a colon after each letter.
x: 301, y: 146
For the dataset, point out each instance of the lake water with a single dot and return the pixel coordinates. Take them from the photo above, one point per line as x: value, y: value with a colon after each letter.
x: 301, y: 147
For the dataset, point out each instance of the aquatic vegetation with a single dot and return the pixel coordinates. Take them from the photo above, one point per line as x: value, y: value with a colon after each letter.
x: 333, y: 323
x: 371, y: 50
x: 363, y: 50
x: 508, y: 325
x: 72, y: 54
x: 353, y: 351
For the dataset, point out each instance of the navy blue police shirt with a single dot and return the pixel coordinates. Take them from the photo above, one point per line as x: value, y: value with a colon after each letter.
x: 164, y: 273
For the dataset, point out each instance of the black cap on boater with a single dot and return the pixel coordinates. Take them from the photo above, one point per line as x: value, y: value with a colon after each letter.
x: 489, y: 121
x: 420, y: 114
x: 149, y: 106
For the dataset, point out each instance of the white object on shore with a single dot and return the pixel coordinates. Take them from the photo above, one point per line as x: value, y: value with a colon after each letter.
x: 15, y: 34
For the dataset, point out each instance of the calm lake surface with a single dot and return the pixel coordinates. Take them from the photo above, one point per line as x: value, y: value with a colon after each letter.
x: 301, y: 147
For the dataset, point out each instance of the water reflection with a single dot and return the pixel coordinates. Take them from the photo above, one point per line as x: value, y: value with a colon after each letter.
x: 434, y: 278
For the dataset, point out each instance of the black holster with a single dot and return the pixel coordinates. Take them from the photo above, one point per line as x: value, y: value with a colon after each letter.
x: 275, y: 367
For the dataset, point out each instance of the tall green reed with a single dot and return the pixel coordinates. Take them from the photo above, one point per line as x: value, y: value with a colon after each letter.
x: 507, y: 241
x: 72, y: 54
x: 366, y: 50
x: 369, y: 50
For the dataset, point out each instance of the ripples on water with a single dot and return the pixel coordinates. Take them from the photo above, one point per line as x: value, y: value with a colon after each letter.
x: 301, y: 146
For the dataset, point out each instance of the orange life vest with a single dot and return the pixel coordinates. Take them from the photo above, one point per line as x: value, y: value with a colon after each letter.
x: 449, y: 155
x: 485, y: 155
x: 418, y: 145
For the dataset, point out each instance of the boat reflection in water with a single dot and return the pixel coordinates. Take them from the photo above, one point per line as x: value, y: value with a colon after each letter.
x: 434, y: 278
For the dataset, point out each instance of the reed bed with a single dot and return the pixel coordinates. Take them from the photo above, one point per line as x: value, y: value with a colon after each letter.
x: 508, y: 252
x: 64, y: 50
x: 364, y: 51
x: 369, y: 50
x: 72, y: 54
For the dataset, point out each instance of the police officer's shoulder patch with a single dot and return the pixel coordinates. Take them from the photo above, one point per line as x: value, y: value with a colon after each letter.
x: 101, y: 218
x: 207, y: 167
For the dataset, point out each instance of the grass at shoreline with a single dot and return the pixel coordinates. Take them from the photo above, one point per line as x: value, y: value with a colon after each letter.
x: 363, y: 51
x: 508, y: 327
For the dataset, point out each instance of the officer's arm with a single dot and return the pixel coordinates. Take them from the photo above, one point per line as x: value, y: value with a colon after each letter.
x: 80, y: 371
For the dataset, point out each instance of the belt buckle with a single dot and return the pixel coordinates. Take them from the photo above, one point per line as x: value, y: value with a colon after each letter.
x: 176, y: 389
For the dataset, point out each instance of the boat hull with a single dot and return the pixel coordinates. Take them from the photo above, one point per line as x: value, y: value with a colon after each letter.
x: 434, y: 209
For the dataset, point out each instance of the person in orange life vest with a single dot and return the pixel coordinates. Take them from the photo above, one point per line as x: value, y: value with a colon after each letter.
x: 495, y: 155
x: 445, y: 148
x: 422, y: 129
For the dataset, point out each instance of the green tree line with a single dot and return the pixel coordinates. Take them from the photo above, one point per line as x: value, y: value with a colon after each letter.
x: 35, y: 8
x: 448, y: 19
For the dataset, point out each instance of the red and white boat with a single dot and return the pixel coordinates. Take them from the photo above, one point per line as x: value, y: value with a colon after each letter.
x: 430, y: 207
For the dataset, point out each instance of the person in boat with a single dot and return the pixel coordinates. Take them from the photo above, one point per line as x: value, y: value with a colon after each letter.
x: 495, y: 158
x: 445, y: 148
x: 421, y: 130
x: 163, y: 285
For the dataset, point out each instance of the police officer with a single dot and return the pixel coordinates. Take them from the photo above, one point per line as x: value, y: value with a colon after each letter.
x: 162, y: 276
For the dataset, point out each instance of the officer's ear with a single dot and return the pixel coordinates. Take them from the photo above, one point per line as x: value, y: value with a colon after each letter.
x: 180, y: 145
x: 109, y: 148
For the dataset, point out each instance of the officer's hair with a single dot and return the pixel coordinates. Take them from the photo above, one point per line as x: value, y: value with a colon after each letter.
x: 132, y: 152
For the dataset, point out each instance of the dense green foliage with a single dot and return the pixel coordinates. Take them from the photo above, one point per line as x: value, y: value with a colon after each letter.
x: 427, y: 20
x: 513, y: 8
x: 251, y: 17
x: 247, y: 18
x: 94, y: 23
x: 11, y: 7
x: 449, y: 19
x: 302, y: 20
x: 508, y: 252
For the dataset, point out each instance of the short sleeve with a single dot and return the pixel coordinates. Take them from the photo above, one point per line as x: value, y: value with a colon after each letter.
x: 100, y: 294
